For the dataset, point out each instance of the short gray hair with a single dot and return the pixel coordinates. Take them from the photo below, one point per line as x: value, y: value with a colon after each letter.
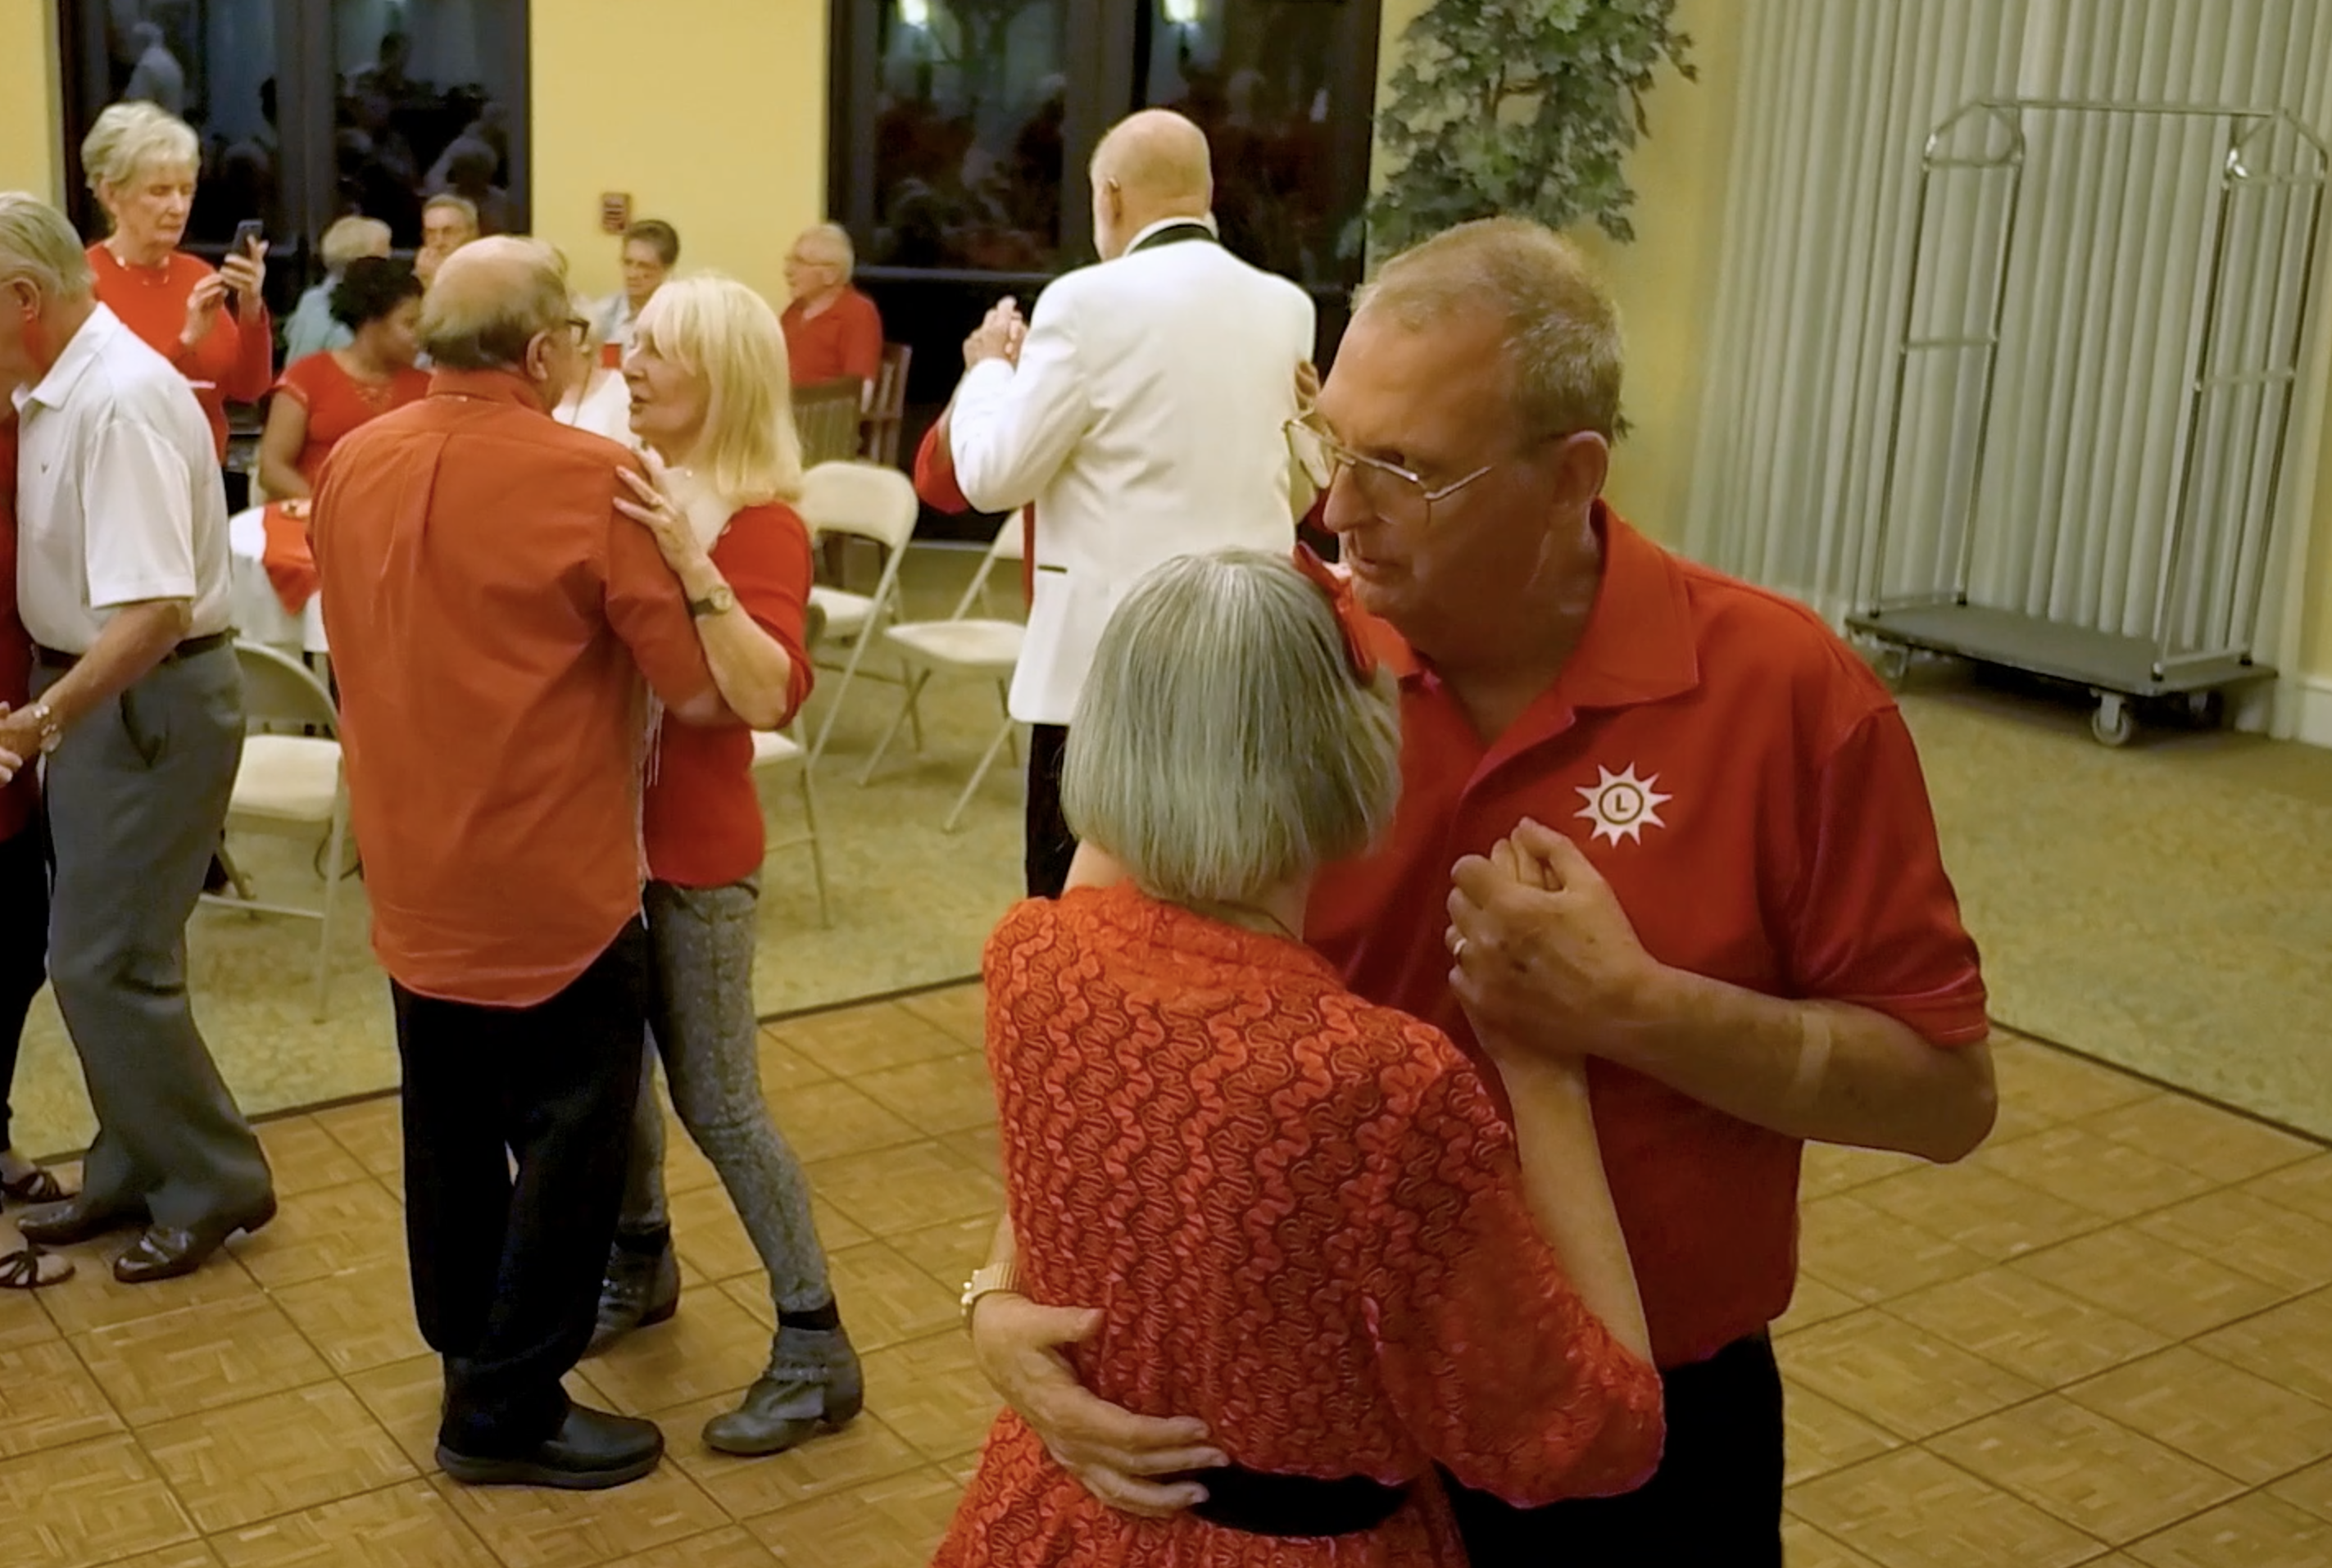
x: 837, y: 240
x: 129, y: 138
x: 1222, y: 743
x: 351, y: 237
x: 461, y: 207
x: 1562, y: 328
x: 38, y: 245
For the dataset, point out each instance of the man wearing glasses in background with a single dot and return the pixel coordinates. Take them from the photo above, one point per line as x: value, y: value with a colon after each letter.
x: 492, y: 616
x: 1730, y: 895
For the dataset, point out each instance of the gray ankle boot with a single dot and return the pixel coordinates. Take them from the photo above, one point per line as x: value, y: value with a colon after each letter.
x: 641, y: 1288
x: 813, y: 1385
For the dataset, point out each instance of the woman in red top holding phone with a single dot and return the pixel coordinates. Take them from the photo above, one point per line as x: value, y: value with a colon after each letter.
x: 707, y: 373
x: 212, y: 325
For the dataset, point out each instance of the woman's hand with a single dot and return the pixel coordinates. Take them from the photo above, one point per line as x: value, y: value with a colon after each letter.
x: 1115, y: 1454
x: 245, y: 272
x: 203, y: 309
x: 655, y: 510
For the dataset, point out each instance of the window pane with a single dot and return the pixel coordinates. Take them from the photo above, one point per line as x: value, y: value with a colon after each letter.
x: 1261, y: 78
x: 212, y: 64
x: 967, y: 133
x: 424, y: 106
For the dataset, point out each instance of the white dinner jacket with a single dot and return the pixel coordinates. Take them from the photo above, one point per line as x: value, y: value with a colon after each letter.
x: 1144, y: 420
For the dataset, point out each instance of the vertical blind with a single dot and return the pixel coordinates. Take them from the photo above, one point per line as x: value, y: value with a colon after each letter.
x: 2101, y: 307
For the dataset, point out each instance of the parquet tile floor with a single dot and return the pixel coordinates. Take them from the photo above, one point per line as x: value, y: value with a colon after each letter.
x: 2105, y: 1339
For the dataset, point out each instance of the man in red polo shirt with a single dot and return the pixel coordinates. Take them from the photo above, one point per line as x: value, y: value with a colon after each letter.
x: 1744, y: 922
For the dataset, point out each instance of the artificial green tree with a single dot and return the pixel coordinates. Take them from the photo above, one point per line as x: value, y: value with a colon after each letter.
x: 1521, y: 107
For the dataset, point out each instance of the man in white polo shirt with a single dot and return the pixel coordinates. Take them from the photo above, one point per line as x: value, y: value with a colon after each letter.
x: 123, y: 581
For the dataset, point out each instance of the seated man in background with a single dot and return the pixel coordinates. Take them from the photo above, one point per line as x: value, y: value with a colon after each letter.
x: 651, y: 251
x: 493, y: 614
x: 448, y: 223
x: 311, y: 328
x: 832, y: 333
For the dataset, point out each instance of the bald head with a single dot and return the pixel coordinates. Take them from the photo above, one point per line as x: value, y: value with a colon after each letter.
x: 1151, y: 165
x: 489, y: 300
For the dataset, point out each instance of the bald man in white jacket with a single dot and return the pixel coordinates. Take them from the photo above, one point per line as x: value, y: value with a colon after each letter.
x: 1144, y: 418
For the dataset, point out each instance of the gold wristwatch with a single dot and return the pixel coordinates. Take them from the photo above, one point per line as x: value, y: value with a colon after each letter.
x: 987, y: 1281
x: 718, y: 600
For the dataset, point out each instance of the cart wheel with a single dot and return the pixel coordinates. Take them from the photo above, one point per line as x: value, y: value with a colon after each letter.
x: 1893, y: 665
x: 2202, y: 707
x: 2113, y: 722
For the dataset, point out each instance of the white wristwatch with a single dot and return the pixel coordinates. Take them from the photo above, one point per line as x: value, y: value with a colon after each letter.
x: 987, y: 1281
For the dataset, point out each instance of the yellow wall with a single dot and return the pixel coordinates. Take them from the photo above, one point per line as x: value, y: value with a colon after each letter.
x: 28, y: 98
x: 711, y: 113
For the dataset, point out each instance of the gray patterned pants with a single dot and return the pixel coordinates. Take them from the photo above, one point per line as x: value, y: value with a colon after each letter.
x: 701, y: 1023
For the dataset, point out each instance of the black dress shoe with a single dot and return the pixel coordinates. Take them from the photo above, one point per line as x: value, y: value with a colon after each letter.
x: 169, y: 1251
x: 77, y: 1219
x: 592, y: 1449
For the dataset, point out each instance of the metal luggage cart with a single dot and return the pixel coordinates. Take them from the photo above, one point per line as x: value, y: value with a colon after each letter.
x: 1958, y: 588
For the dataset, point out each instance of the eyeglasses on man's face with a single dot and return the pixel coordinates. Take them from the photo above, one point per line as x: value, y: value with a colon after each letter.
x: 1395, y: 493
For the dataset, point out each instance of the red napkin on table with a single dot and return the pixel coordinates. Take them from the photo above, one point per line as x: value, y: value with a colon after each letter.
x: 290, y: 560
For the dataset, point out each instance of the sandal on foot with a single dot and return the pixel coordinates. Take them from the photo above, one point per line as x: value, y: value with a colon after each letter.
x: 30, y: 1268
x: 34, y: 1186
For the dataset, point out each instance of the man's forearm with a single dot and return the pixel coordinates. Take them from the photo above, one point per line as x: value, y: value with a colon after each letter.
x: 1824, y: 1071
x: 137, y: 639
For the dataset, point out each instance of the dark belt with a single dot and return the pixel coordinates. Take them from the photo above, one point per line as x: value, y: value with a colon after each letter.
x: 54, y: 659
x: 1255, y: 1502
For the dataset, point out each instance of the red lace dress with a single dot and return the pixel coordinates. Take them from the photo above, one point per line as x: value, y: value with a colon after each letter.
x: 1304, y: 1222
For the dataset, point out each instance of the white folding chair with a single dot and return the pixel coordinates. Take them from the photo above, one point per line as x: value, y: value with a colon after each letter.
x: 961, y: 645
x: 859, y: 500
x: 290, y: 784
x: 774, y: 754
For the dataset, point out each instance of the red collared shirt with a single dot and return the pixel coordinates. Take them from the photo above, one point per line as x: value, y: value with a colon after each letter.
x: 492, y: 615
x: 936, y: 487
x: 1750, y: 791
x: 845, y: 339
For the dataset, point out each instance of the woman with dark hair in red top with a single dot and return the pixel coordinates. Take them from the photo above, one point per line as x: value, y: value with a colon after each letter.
x: 23, y: 890
x: 325, y: 396
x: 212, y: 325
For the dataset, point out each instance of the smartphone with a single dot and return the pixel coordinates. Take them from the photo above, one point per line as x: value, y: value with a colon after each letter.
x: 248, y: 234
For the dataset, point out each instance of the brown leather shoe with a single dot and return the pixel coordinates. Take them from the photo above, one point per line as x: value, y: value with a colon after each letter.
x: 76, y: 1220
x: 169, y: 1251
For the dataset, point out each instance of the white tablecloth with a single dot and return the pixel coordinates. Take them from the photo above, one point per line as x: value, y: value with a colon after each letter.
x: 259, y: 615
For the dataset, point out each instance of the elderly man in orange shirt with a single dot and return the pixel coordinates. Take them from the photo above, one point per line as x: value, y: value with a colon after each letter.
x: 832, y: 333
x: 492, y: 616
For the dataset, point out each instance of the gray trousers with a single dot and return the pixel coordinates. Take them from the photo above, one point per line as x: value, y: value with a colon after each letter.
x: 137, y: 795
x: 701, y: 1023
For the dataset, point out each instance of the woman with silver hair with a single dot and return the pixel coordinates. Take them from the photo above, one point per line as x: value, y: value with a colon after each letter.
x: 1303, y: 1213
x: 212, y: 326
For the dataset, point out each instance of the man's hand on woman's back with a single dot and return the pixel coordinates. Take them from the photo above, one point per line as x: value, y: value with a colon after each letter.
x: 1121, y: 1458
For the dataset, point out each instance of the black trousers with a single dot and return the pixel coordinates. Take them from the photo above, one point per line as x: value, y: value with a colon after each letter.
x: 506, y: 1273
x: 1716, y: 1497
x: 24, y: 945
x: 1048, y: 846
